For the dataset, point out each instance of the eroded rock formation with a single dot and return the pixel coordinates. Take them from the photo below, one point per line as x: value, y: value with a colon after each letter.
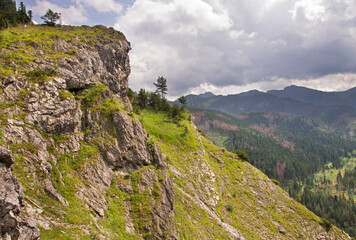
x: 12, y: 225
x: 73, y: 104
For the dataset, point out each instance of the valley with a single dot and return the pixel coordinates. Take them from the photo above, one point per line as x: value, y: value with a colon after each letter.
x: 297, y: 148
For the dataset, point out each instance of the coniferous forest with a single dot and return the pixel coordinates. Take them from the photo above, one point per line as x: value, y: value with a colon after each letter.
x: 294, y: 150
x: 12, y: 15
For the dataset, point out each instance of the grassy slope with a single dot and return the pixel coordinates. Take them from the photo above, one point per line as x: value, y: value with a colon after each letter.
x: 248, y: 200
x: 21, y: 50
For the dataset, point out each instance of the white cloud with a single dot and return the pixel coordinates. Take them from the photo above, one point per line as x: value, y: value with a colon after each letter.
x: 227, y: 43
x: 329, y: 83
x: 70, y: 15
x: 313, y: 10
x: 102, y: 5
x: 188, y: 17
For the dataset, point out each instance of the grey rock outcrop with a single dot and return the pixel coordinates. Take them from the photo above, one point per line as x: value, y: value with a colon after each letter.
x: 48, y: 187
x: 59, y: 118
x: 12, y: 225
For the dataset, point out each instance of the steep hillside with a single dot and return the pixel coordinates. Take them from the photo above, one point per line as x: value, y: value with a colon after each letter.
x: 271, y: 140
x: 298, y: 151
x: 93, y: 169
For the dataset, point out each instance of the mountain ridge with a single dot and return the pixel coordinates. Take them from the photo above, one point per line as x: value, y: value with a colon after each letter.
x: 308, y: 95
x: 340, y: 117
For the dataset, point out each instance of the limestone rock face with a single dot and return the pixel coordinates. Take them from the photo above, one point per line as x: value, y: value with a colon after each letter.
x: 11, y: 202
x: 68, y: 117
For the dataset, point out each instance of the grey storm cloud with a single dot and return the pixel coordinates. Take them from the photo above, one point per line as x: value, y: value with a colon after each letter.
x: 227, y: 43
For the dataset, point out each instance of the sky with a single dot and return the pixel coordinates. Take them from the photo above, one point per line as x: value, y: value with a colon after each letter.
x: 226, y: 46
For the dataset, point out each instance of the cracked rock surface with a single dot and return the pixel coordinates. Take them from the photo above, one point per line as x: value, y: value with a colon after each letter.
x: 12, y: 225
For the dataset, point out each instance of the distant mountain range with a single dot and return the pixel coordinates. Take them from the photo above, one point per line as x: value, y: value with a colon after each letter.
x: 337, y: 109
x: 291, y: 135
x: 303, y: 94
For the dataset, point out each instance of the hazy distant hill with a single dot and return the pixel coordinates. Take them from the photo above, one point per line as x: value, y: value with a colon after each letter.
x: 303, y: 94
x: 337, y: 109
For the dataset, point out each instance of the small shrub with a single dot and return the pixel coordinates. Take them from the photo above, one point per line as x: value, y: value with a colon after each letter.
x: 276, y: 182
x: 229, y: 207
x: 201, y: 132
x: 150, y: 145
x: 108, y: 107
x: 242, y: 155
x: 64, y: 94
x: 326, y: 224
x: 93, y: 94
x: 71, y: 52
x: 40, y: 76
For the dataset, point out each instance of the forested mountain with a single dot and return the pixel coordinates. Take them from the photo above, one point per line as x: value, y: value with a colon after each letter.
x: 339, y: 117
x: 283, y: 146
x: 292, y: 149
x: 303, y: 94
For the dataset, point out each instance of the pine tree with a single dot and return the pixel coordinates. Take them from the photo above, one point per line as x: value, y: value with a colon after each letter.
x: 161, y: 86
x: 50, y: 18
x: 8, y: 13
x: 10, y: 16
x: 22, y: 15
x: 183, y: 101
x: 142, y: 98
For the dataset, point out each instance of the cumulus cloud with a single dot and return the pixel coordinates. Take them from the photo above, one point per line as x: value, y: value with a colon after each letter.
x: 70, y: 15
x: 226, y: 44
x: 75, y: 12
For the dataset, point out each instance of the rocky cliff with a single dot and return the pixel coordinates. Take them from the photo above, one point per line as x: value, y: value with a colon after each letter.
x: 12, y: 225
x: 91, y: 171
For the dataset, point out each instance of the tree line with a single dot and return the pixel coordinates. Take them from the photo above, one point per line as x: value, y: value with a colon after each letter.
x: 11, y: 15
x: 156, y: 100
x: 338, y: 209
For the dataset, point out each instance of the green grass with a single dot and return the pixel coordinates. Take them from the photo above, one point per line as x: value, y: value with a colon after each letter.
x: 330, y: 173
x: 193, y: 222
x: 160, y: 126
x: 238, y: 205
x: 22, y: 44
x: 217, y: 138
x: 92, y: 95
x: 108, y: 107
x: 115, y: 213
x: 40, y: 76
x: 64, y: 94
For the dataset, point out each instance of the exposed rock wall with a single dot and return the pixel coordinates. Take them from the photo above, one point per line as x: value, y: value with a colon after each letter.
x: 80, y: 104
x: 12, y: 225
